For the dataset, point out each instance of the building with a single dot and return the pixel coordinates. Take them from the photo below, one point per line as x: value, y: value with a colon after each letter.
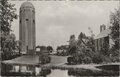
x: 27, y: 28
x: 27, y: 40
x: 103, y: 39
x: 82, y: 43
x: 62, y: 48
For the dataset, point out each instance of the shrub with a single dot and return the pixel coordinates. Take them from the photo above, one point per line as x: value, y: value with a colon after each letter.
x: 88, y: 56
x: 70, y: 60
x: 45, y: 59
x: 97, y: 58
x: 87, y: 60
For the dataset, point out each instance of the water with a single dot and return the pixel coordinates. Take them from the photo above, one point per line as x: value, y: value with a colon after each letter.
x: 30, y: 70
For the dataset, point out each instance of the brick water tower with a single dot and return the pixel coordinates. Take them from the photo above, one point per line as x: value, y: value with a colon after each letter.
x: 27, y: 28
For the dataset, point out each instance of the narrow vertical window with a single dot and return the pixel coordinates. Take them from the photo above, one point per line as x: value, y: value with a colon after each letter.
x: 26, y: 19
x: 20, y: 21
x: 34, y: 21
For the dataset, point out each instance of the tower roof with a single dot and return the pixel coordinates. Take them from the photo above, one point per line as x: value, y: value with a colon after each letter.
x: 27, y: 4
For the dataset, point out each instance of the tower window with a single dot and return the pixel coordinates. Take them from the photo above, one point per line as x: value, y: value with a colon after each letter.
x: 20, y: 21
x: 33, y: 21
x: 26, y: 19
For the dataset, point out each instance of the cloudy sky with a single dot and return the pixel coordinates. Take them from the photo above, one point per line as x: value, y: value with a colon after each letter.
x: 57, y: 20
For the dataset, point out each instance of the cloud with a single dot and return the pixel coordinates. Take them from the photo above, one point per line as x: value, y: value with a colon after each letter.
x: 93, y: 11
x: 56, y: 21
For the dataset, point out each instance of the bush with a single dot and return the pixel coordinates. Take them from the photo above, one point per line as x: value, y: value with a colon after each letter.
x: 88, y: 56
x: 87, y: 60
x: 97, y: 58
x: 78, y: 57
x: 45, y: 59
x: 100, y: 58
x: 115, y: 55
x: 70, y: 60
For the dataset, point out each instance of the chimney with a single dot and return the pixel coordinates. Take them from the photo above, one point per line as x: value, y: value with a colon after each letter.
x: 102, y: 27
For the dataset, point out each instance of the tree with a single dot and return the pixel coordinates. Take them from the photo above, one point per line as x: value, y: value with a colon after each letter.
x: 7, y: 15
x: 72, y: 44
x: 58, y: 48
x: 8, y: 46
x: 72, y: 41
x: 81, y: 36
x: 72, y: 50
x: 115, y: 34
x: 43, y: 47
x: 105, y: 49
x: 115, y: 27
x: 91, y: 32
x: 49, y: 48
x: 91, y: 43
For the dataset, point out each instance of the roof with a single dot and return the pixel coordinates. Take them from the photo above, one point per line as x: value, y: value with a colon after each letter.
x: 27, y: 4
x: 103, y: 34
x: 82, y: 41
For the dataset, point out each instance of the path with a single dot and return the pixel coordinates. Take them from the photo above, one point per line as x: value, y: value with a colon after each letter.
x: 58, y: 60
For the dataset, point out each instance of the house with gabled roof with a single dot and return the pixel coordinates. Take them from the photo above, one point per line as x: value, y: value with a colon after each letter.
x: 82, y: 44
x: 103, y: 38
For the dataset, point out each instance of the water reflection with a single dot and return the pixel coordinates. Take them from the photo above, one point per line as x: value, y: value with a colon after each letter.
x: 23, y: 70
x: 59, y: 73
x: 30, y: 70
x: 107, y: 70
x: 82, y: 72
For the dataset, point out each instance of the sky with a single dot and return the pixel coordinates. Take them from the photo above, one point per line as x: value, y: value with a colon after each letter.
x: 57, y: 20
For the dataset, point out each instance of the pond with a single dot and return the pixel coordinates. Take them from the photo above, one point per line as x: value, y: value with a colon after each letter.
x: 30, y: 70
